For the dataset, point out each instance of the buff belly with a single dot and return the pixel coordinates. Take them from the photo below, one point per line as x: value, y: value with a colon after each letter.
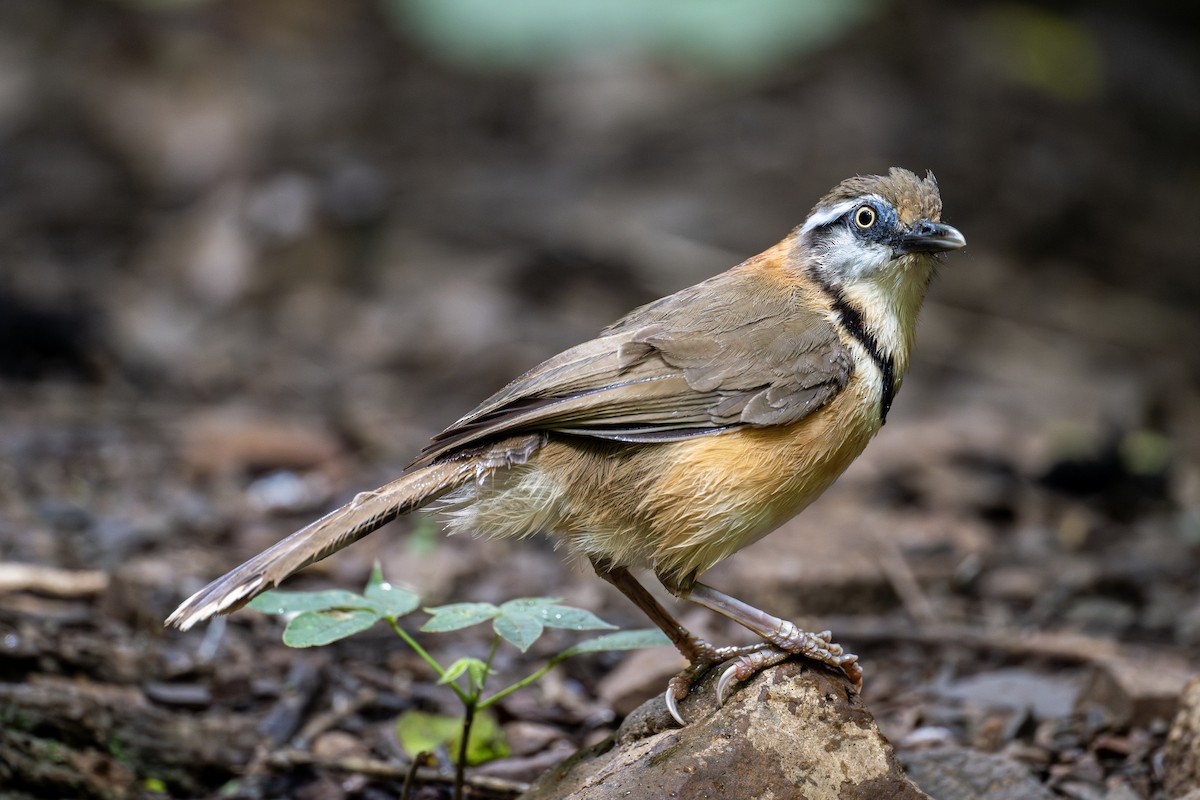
x: 677, y: 508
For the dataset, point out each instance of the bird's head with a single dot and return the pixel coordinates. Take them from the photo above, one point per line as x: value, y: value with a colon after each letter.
x: 872, y: 225
x: 874, y: 240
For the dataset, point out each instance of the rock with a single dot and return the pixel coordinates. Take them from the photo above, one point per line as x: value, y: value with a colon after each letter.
x: 1124, y: 792
x: 527, y: 738
x: 244, y: 439
x: 1181, y: 760
x: 71, y: 737
x: 1016, y: 688
x: 791, y: 732
x: 1133, y: 690
x: 956, y: 773
x: 337, y: 745
x: 525, y: 768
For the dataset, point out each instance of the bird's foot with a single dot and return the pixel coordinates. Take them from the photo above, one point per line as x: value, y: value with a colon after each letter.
x: 704, y: 657
x: 743, y: 663
x: 818, y: 647
x: 821, y: 648
x: 747, y: 666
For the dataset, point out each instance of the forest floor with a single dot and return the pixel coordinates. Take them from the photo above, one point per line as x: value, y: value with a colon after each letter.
x: 195, y: 365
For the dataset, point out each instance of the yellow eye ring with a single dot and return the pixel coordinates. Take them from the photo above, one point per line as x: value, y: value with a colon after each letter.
x: 865, y: 217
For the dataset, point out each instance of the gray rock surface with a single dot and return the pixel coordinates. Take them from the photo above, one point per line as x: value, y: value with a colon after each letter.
x: 956, y: 773
x: 792, y: 732
x: 1181, y: 760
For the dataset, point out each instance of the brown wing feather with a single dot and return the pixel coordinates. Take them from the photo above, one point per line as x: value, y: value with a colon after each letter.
x: 710, y: 358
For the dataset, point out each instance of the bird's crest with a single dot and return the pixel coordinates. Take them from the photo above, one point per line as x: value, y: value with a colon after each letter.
x: 913, y: 198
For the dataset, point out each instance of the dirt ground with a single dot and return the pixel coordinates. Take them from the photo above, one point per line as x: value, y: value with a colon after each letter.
x: 253, y: 254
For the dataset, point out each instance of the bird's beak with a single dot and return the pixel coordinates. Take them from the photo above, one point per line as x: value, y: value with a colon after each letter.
x: 931, y: 237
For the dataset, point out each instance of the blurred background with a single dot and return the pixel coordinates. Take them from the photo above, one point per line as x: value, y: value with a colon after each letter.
x: 253, y: 254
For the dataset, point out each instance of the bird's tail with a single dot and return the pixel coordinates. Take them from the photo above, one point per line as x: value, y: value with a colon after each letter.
x: 365, y: 513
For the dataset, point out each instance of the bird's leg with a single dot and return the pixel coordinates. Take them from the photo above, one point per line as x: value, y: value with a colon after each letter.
x: 783, y: 638
x: 692, y: 646
x: 701, y: 655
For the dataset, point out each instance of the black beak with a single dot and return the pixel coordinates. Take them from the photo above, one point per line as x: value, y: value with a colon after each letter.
x: 931, y: 237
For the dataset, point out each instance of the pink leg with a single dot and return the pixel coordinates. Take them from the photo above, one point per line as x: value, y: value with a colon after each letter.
x: 784, y: 638
x: 778, y: 632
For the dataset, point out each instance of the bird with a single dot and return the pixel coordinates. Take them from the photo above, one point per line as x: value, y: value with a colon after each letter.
x: 686, y: 430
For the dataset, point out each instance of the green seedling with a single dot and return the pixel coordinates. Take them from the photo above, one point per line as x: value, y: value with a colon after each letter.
x: 321, y: 618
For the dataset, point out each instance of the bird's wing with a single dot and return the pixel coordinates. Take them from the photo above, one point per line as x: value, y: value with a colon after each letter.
x: 720, y: 355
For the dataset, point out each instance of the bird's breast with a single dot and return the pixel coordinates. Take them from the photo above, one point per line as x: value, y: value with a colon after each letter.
x: 715, y: 495
x: 677, y: 507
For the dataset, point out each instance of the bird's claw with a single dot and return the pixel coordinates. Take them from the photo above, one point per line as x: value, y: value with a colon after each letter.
x: 704, y: 658
x: 744, y: 667
x: 849, y: 666
x: 741, y: 663
x: 672, y: 698
x: 729, y: 678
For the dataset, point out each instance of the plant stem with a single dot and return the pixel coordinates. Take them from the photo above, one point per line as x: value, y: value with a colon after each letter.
x: 521, y: 684
x: 471, y: 704
x: 491, y: 657
x: 461, y: 767
x: 428, y: 659
x: 417, y: 761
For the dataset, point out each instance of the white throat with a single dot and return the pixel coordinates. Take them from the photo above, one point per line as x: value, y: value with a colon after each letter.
x: 889, y: 300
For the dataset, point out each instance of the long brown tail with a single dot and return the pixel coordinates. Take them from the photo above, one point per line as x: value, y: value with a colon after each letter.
x: 337, y: 529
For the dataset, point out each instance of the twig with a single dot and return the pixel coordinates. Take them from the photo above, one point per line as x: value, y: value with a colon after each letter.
x: 304, y: 680
x: 895, y: 567
x: 1067, y: 646
x: 418, y: 761
x: 291, y: 757
x: 18, y: 577
x: 332, y: 718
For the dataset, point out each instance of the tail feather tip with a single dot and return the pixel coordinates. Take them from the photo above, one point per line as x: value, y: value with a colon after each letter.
x: 196, y: 609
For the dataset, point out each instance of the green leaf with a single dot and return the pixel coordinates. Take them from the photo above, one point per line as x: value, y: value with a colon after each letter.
x: 574, y: 619
x: 420, y: 731
x: 316, y: 628
x: 528, y: 604
x: 478, y: 671
x: 625, y: 640
x: 459, y: 615
x: 154, y: 785
x: 392, y: 601
x: 280, y: 602
x: 518, y: 628
x: 551, y: 613
x: 453, y: 672
x: 472, y: 666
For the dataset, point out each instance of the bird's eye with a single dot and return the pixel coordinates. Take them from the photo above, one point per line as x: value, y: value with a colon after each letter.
x: 865, y: 217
